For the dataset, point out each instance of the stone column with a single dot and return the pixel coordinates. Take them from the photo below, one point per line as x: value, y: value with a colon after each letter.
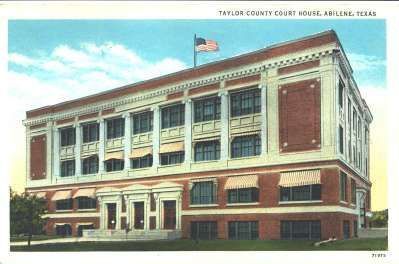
x: 188, y: 131
x: 101, y: 147
x: 56, y: 153
x: 155, y: 137
x: 263, y: 126
x: 128, y: 140
x: 78, y: 149
x: 224, y: 125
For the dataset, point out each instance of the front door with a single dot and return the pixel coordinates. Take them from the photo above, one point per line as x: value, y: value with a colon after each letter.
x: 111, y: 213
x: 169, y: 214
x: 139, y: 215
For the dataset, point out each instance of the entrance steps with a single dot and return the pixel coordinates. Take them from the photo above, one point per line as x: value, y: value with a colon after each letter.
x: 140, y: 235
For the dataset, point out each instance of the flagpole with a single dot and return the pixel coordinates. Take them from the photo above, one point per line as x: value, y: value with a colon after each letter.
x: 195, y: 52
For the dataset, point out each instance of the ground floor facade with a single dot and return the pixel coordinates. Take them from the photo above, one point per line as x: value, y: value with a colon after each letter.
x: 314, y: 201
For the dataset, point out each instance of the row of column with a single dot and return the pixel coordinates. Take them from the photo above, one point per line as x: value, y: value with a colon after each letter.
x: 224, y: 139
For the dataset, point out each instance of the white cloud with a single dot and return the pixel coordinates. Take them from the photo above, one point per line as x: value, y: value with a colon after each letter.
x: 20, y: 59
x: 362, y: 62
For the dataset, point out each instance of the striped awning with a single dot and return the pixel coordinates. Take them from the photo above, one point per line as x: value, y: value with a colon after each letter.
x: 114, y: 155
x: 62, y: 195
x: 172, y: 147
x: 87, y: 192
x: 299, y: 178
x: 241, y: 182
x: 39, y: 194
x: 206, y: 139
x: 140, y: 152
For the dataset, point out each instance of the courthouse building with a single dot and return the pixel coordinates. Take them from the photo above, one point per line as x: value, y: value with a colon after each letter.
x: 272, y: 144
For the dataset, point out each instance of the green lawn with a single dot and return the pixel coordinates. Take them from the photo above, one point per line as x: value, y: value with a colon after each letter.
x: 215, y: 245
x: 34, y: 238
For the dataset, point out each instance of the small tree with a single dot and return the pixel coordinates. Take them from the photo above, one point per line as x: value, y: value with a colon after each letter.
x: 26, y: 214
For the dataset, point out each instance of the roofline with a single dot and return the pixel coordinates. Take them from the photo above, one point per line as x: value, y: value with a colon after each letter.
x: 191, y: 69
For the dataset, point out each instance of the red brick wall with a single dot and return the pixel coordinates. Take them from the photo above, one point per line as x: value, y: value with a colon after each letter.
x: 38, y: 126
x: 38, y: 156
x: 299, y: 116
x: 64, y: 121
x: 88, y: 116
x: 204, y: 89
x: 252, y: 78
x: 175, y: 95
x: 299, y: 67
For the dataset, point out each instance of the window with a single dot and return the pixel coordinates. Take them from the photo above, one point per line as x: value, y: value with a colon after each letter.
x: 90, y: 132
x: 353, y: 191
x: 67, y: 168
x: 300, y: 230
x: 346, y: 229
x: 142, y: 122
x: 87, y: 203
x: 172, y: 116
x: 114, y: 165
x: 341, y: 93
x: 243, y: 230
x: 204, y: 230
x: 350, y: 130
x: 203, y: 193
x: 208, y: 150
x: 207, y: 109
x: 63, y: 230
x: 245, y: 102
x: 67, y: 136
x: 342, y: 189
x: 301, y: 193
x: 245, y: 146
x: 142, y: 162
x: 65, y: 204
x: 90, y: 165
x: 246, y: 195
x: 115, y: 128
x: 172, y: 158
x: 355, y: 231
x: 341, y: 140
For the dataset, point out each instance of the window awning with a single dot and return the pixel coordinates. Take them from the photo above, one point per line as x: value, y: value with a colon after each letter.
x: 206, y: 139
x: 87, y: 192
x: 140, y: 152
x: 241, y: 182
x: 299, y: 178
x: 61, y: 195
x: 39, y: 194
x: 114, y: 155
x: 172, y: 147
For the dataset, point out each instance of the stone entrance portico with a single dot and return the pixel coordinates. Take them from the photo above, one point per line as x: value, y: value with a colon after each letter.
x: 149, y: 203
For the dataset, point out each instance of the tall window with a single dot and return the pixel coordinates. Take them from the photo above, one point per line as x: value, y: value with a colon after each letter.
x: 341, y: 93
x: 350, y: 130
x: 241, y: 230
x: 245, y: 146
x: 87, y: 203
x: 90, y: 165
x: 67, y: 136
x: 90, y: 132
x: 353, y: 191
x: 142, y: 122
x: 207, y: 150
x: 301, y: 193
x: 204, y: 230
x: 67, y: 168
x: 203, y: 193
x: 300, y: 230
x: 172, y: 158
x: 342, y: 189
x: 65, y: 204
x: 142, y: 162
x: 245, y: 102
x: 172, y: 116
x: 247, y: 195
x: 341, y: 140
x: 114, y: 165
x: 207, y: 109
x: 115, y: 128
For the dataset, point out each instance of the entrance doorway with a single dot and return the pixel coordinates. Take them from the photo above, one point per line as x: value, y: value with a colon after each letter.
x: 169, y: 214
x: 139, y: 215
x: 111, y: 213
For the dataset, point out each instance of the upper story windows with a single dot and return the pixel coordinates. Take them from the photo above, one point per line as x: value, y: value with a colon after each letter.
x: 246, y: 195
x: 203, y: 192
x: 90, y: 132
x: 67, y: 168
x: 343, y: 186
x: 301, y: 193
x: 90, y: 165
x: 341, y: 93
x: 142, y: 122
x: 245, y: 102
x: 207, y: 150
x: 171, y: 158
x: 172, y: 116
x: 141, y: 162
x: 207, y: 109
x: 114, y: 165
x: 245, y: 146
x: 115, y: 128
x: 67, y: 136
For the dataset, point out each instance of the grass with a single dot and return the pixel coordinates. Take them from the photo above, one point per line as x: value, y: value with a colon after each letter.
x: 215, y: 245
x: 34, y: 238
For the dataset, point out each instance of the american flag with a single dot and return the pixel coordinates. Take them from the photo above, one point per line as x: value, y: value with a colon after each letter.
x: 205, y: 45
